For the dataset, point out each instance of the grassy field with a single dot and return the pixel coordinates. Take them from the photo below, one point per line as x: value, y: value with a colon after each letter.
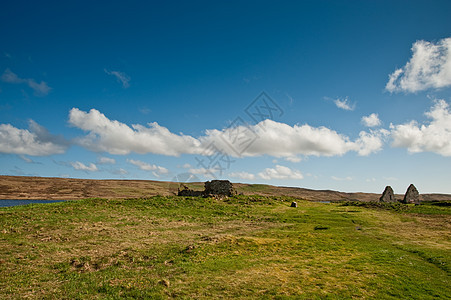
x: 242, y: 247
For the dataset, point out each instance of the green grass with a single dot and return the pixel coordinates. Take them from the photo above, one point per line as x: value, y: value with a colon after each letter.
x: 241, y: 247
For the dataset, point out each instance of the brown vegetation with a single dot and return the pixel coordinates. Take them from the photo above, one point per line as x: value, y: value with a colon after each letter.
x: 21, y: 187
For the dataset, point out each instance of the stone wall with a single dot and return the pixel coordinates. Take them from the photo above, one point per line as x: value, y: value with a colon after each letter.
x: 212, y: 188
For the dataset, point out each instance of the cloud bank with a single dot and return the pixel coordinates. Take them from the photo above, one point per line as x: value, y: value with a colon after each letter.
x: 265, y: 138
x: 433, y: 136
x: 280, y: 172
x: 36, y: 141
x: 115, y: 137
x: 429, y: 67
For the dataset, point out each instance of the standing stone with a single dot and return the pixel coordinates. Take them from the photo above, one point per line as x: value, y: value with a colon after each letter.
x: 388, y: 195
x: 412, y: 195
x: 294, y: 204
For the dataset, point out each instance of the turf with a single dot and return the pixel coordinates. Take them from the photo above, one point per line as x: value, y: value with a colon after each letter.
x: 241, y: 247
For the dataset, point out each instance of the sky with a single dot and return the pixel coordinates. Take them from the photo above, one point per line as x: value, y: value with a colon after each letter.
x: 340, y: 95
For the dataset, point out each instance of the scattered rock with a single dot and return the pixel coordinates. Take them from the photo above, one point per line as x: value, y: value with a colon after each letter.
x: 320, y: 227
x: 188, y: 249
x: 294, y: 204
x: 164, y: 282
x: 412, y: 195
x: 388, y: 195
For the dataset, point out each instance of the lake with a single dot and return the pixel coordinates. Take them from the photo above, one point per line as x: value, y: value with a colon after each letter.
x: 6, y: 203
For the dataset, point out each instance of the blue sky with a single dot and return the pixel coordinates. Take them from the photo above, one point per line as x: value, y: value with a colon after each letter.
x: 352, y: 95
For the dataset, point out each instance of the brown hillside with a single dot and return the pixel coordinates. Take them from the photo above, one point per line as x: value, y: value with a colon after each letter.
x: 20, y: 187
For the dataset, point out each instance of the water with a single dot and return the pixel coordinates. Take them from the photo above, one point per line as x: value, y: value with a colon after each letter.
x: 6, y: 203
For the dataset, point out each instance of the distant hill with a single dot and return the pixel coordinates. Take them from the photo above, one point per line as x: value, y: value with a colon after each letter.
x: 21, y: 187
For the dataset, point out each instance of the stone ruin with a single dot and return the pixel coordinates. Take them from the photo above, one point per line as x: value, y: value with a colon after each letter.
x: 388, y: 195
x: 186, y: 191
x: 219, y: 187
x: 412, y: 195
x: 212, y: 188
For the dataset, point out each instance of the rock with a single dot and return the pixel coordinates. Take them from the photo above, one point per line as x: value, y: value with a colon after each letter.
x: 294, y: 204
x: 388, y: 195
x: 164, y: 282
x: 412, y: 195
x: 219, y: 187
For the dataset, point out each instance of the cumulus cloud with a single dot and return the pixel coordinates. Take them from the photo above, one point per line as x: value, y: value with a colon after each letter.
x: 120, y: 77
x: 115, y: 137
x: 280, y: 172
x: 371, y: 120
x: 40, y: 89
x: 36, y: 141
x: 344, y: 104
x: 429, y: 67
x: 82, y: 167
x: 265, y: 138
x: 371, y: 142
x: 281, y: 140
x: 148, y: 167
x: 433, y: 136
x: 106, y: 160
x: 242, y: 175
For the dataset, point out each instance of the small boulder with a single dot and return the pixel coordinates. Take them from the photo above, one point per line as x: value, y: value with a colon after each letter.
x: 412, y: 195
x: 294, y: 204
x: 388, y: 195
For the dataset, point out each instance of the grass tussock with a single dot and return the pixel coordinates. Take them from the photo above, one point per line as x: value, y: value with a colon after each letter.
x: 241, y: 247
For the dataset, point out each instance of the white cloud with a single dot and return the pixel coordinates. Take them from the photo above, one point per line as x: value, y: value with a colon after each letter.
x: 293, y: 159
x: 40, y: 89
x: 341, y: 178
x: 371, y: 120
x: 370, y: 142
x: 344, y: 104
x: 186, y: 166
x: 120, y: 77
x: 280, y: 172
x: 434, y: 136
x: 282, y: 140
x: 36, y: 141
x: 429, y: 67
x: 209, y: 173
x: 148, y: 167
x: 82, y: 167
x: 118, y: 138
x: 265, y: 138
x: 242, y: 175
x: 106, y: 160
